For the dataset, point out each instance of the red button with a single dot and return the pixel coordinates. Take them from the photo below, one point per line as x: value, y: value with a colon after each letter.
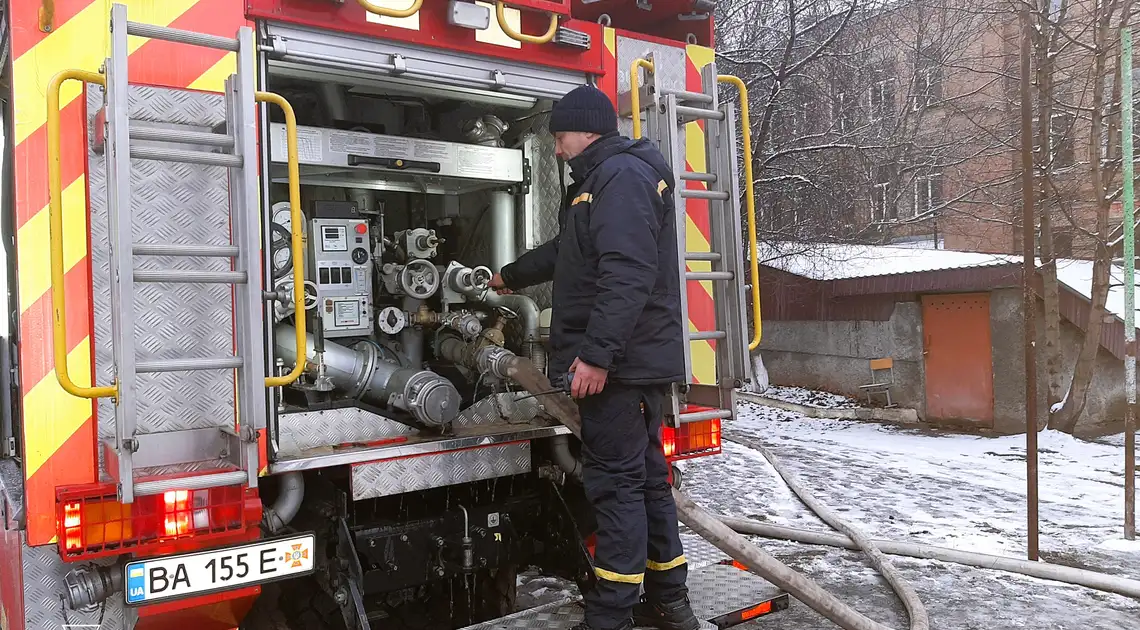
x: 361, y: 228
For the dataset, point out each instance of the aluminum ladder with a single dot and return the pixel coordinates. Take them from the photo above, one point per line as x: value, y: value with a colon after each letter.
x: 666, y: 114
x: 151, y: 463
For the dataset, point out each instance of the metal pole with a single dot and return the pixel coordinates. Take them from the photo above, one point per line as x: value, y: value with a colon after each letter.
x: 1028, y: 270
x: 1129, y: 288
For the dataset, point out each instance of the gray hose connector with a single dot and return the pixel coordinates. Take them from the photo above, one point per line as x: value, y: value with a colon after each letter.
x: 288, y: 502
x: 914, y: 608
x: 1041, y: 570
x: 562, y: 457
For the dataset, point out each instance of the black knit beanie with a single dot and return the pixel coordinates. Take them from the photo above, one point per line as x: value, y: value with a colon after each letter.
x: 586, y: 109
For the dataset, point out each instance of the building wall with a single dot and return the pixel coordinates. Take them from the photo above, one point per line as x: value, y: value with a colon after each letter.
x: 833, y: 355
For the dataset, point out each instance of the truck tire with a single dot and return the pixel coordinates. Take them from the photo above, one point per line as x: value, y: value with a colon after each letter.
x: 294, y: 605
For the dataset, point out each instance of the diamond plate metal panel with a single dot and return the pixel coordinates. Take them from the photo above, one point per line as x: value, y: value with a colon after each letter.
x: 721, y: 589
x: 561, y: 615
x: 713, y: 591
x: 172, y: 203
x: 397, y: 476
x: 670, y: 65
x: 43, y: 586
x: 298, y: 432
x: 700, y: 552
x: 545, y: 199
x: 11, y: 493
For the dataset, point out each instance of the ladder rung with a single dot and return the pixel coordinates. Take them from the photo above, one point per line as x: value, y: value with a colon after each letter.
x: 188, y: 365
x: 708, y: 275
x: 697, y: 112
x: 692, y: 97
x: 703, y: 256
x: 187, y: 157
x: 713, y: 195
x: 180, y: 36
x: 197, y: 482
x: 698, y: 177
x: 697, y: 416
x: 203, y: 251
x: 190, y: 277
x: 707, y: 335
x: 181, y: 136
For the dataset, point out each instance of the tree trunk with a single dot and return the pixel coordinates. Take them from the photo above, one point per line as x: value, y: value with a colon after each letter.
x: 1105, y: 43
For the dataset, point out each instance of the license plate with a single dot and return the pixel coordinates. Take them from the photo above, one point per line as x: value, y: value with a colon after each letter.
x: 160, y: 579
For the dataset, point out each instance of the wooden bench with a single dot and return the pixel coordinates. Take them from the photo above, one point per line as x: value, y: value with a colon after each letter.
x: 882, y: 379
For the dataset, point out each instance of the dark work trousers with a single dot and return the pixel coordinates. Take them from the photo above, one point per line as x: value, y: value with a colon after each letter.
x: 626, y: 479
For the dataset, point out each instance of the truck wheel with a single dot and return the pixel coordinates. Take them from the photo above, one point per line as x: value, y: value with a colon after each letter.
x: 294, y: 605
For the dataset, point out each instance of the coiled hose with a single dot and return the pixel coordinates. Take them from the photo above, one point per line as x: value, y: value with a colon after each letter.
x: 711, y: 528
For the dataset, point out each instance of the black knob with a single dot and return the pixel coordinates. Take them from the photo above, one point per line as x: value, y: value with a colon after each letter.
x: 360, y: 255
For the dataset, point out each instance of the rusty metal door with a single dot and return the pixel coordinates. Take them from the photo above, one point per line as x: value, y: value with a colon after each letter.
x: 959, y: 366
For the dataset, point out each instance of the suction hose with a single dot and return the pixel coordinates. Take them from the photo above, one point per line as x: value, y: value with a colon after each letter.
x: 914, y: 608
x: 1041, y: 570
x: 709, y: 526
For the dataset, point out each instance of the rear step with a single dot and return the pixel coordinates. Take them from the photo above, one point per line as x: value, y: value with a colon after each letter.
x: 722, y: 596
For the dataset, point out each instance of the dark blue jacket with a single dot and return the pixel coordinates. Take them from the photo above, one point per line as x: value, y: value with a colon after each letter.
x: 616, y: 300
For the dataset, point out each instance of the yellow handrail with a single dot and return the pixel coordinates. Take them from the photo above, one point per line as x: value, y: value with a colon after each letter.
x: 392, y: 13
x: 546, y: 38
x: 750, y: 205
x: 635, y: 92
x: 55, y: 237
x: 296, y: 242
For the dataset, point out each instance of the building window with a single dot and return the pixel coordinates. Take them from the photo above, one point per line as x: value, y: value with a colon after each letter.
x: 1062, y: 153
x: 927, y: 80
x: 843, y: 112
x: 882, y: 97
x: 927, y: 192
x: 1062, y: 244
x: 883, y: 206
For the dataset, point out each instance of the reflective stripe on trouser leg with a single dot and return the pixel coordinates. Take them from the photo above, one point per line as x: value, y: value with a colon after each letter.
x: 614, y: 441
x: 668, y: 570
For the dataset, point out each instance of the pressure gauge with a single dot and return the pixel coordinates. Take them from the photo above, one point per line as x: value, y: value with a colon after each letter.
x: 282, y: 215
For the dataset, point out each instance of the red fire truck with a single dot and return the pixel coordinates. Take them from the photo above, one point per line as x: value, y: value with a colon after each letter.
x: 252, y: 361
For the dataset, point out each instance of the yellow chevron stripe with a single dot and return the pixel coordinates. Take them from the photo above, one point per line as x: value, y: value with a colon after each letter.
x: 665, y: 566
x: 703, y: 358
x: 33, y: 259
x: 625, y: 578
x: 54, y: 414
x: 214, y: 79
x: 695, y: 241
x: 609, y: 35
x: 700, y: 56
x: 81, y: 42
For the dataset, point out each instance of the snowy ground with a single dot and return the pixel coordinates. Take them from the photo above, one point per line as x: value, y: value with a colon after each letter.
x: 809, y: 398
x: 955, y: 491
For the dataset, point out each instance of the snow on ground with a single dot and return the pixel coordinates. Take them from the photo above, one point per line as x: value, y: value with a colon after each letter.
x: 809, y: 398
x: 955, y: 491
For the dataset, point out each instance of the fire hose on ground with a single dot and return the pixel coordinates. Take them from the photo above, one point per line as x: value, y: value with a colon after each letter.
x: 709, y: 527
x: 725, y: 534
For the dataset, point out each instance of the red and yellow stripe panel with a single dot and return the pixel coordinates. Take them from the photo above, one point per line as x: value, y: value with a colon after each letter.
x: 702, y: 314
x: 59, y: 429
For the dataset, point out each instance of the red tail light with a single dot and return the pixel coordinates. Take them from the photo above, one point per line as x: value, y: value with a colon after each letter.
x: 693, y: 439
x: 92, y: 523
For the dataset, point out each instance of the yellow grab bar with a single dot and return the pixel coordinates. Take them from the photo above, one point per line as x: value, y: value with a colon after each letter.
x: 750, y: 205
x: 55, y: 238
x: 546, y: 38
x: 296, y: 241
x: 635, y: 92
x: 392, y: 13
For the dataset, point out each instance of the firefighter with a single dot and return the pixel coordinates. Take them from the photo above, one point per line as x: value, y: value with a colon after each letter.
x: 617, y: 328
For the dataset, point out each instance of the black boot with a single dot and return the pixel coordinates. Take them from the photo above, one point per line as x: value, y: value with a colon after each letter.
x: 674, y: 615
x: 628, y: 625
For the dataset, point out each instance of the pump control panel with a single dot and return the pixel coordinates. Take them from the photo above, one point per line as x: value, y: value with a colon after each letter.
x: 342, y: 268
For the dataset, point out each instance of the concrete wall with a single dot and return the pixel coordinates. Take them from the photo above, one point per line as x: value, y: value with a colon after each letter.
x: 833, y: 355
x: 1105, y: 404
